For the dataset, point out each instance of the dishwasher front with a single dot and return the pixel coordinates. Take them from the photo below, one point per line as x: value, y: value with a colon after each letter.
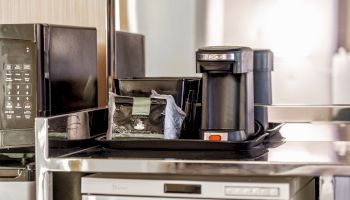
x: 147, y: 187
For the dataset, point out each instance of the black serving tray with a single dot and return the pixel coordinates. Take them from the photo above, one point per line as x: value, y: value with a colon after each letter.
x: 275, y: 138
x: 180, y: 144
x: 256, y: 153
x: 62, y: 143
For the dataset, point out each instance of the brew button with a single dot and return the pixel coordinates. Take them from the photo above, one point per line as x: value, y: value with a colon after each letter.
x: 18, y: 67
x: 26, y: 67
x: 27, y: 116
x: 27, y: 105
x: 9, y: 105
x: 8, y: 66
x: 8, y: 116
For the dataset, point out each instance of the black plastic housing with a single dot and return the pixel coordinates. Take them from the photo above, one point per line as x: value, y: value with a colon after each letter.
x: 263, y: 65
x: 228, y: 99
x: 185, y: 90
x: 129, y: 55
x: 45, y: 70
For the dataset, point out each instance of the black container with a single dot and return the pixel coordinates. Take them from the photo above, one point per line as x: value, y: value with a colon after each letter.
x: 185, y: 90
x: 130, y: 55
x: 182, y: 89
x: 263, y: 65
x: 228, y: 99
x: 45, y: 70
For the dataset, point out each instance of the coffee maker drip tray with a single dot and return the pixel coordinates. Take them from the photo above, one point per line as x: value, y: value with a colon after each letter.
x: 255, y: 153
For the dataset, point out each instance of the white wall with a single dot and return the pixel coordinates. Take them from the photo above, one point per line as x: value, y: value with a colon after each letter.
x: 91, y: 13
x: 302, y: 35
x: 170, y: 32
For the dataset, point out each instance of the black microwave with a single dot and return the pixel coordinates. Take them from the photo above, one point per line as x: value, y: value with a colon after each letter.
x: 45, y: 70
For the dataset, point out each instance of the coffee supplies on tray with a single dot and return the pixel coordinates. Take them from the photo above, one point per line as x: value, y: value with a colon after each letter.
x: 142, y: 117
x: 174, y: 116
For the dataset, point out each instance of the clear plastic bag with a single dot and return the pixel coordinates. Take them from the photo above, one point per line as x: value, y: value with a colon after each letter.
x: 133, y: 117
x: 174, y: 116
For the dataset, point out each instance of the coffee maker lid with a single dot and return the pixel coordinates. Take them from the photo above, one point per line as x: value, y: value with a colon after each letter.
x: 223, y: 48
x: 221, y: 53
x: 241, y: 56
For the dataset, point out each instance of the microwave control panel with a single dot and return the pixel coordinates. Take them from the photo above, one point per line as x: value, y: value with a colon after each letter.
x: 18, y: 86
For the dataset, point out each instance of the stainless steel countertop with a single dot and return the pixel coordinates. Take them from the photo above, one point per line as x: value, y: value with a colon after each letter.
x: 291, y: 158
x: 320, y: 148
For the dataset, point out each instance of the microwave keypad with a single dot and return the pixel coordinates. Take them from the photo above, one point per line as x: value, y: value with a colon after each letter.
x: 18, y: 91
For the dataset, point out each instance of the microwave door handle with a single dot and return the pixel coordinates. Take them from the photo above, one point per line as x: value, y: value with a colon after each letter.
x: 44, y: 97
x: 45, y: 87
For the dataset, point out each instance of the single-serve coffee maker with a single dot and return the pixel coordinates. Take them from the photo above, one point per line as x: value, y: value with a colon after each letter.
x: 228, y: 93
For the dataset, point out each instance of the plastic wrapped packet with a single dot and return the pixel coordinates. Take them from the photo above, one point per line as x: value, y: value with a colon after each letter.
x: 135, y: 117
x: 174, y: 116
